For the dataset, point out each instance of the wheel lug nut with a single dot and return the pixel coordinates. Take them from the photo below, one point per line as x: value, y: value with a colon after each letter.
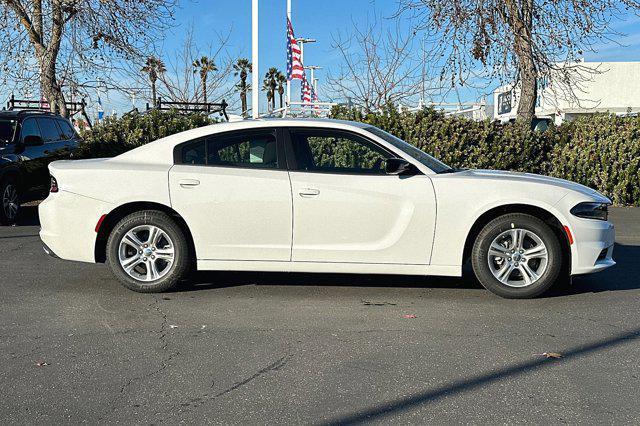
x: 509, y: 259
x: 516, y: 263
x: 153, y: 257
x: 140, y: 251
x: 153, y: 248
x: 144, y: 258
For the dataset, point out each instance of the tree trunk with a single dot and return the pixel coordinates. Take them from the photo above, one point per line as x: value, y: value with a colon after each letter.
x: 153, y: 93
x: 50, y: 87
x: 243, y: 101
x: 528, y: 91
x: 204, y: 89
x: 280, y: 93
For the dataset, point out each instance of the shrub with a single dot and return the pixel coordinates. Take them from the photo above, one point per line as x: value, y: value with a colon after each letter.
x: 118, y: 135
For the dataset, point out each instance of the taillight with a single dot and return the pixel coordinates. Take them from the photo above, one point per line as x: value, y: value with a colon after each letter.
x: 54, y: 185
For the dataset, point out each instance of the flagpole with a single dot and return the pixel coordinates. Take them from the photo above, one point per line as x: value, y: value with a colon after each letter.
x: 255, y: 74
x: 288, y: 81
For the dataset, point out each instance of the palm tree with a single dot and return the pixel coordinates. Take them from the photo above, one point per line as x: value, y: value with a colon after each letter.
x: 270, y: 84
x: 204, y: 66
x: 282, y: 81
x: 154, y: 67
x: 242, y: 68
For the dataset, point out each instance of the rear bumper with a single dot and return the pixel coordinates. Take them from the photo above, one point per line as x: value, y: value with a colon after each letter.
x: 594, y: 242
x: 68, y: 223
x: 49, y: 251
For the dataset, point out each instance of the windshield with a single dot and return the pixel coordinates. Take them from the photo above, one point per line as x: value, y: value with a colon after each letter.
x: 435, y: 165
x: 7, y: 127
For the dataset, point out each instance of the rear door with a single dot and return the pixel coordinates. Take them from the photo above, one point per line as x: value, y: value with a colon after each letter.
x: 69, y: 140
x: 348, y: 210
x: 33, y: 158
x: 233, y: 190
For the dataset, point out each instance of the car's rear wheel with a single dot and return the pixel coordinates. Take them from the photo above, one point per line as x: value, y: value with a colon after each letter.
x: 10, y: 201
x: 517, y: 256
x: 148, y: 252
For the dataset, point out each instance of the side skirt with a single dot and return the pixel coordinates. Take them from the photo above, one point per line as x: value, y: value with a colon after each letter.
x: 327, y: 267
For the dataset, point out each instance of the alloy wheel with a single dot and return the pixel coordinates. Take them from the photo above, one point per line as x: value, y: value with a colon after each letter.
x: 146, y: 253
x: 10, y: 202
x: 518, y: 257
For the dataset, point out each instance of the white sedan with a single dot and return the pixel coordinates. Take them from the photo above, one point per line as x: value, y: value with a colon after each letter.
x: 302, y: 195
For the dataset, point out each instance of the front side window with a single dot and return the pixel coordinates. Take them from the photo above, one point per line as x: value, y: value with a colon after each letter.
x: 49, y: 129
x: 29, y: 128
x: 332, y: 151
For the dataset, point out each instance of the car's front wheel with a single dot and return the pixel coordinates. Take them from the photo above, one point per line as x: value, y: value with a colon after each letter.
x: 148, y: 252
x: 517, y: 256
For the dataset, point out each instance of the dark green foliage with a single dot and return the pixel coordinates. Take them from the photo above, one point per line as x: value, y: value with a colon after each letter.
x: 601, y: 151
x: 115, y: 136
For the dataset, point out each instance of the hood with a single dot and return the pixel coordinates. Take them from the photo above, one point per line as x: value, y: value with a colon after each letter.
x: 533, y: 178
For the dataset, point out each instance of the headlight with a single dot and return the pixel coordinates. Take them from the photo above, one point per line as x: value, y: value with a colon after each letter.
x: 598, y: 211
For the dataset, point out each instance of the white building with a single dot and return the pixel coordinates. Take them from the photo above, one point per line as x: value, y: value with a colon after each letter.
x: 596, y: 87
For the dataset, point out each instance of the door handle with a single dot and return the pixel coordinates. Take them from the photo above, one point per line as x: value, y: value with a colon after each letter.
x: 309, y: 192
x: 188, y: 183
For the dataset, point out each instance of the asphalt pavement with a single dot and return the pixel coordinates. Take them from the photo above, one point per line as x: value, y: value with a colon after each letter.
x: 255, y: 348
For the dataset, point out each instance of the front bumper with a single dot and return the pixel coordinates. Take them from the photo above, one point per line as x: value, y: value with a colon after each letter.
x: 594, y: 242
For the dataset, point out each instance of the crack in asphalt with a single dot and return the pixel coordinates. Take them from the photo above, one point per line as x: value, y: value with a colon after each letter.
x: 165, y: 360
x: 199, y: 401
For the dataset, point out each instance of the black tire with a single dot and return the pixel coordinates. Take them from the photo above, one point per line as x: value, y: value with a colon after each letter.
x: 10, y: 200
x: 494, y: 229
x: 177, y: 270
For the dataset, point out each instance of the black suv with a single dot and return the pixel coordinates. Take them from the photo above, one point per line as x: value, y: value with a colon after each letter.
x: 29, y: 141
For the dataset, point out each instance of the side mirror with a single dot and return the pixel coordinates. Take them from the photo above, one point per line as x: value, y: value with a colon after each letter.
x: 32, y: 140
x: 398, y: 166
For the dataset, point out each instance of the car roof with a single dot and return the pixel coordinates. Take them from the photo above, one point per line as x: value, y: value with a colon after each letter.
x: 161, y: 150
x: 14, y: 115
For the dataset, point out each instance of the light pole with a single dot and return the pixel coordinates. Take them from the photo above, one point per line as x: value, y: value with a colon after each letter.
x: 302, y: 42
x: 314, y: 80
x: 255, y: 91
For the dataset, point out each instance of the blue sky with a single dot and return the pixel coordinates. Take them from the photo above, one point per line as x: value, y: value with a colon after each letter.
x: 319, y: 19
x: 322, y: 20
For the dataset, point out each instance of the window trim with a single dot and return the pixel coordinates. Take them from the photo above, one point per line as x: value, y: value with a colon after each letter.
x: 293, y: 163
x: 274, y: 131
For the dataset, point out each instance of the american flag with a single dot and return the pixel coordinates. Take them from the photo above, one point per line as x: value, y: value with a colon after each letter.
x: 295, y: 69
x: 306, y: 91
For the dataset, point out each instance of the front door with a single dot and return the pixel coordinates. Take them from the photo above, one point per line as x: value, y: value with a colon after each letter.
x: 348, y: 210
x: 234, y: 192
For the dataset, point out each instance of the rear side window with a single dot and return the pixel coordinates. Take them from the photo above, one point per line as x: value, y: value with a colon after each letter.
x: 250, y: 150
x: 29, y: 128
x: 49, y: 129
x: 194, y: 153
x: 66, y: 130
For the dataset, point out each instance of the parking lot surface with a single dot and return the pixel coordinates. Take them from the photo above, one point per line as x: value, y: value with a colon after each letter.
x: 246, y: 348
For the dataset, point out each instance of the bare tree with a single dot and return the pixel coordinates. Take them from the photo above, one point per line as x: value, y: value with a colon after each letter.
x: 63, y: 43
x: 379, y: 66
x: 515, y: 40
x: 242, y: 68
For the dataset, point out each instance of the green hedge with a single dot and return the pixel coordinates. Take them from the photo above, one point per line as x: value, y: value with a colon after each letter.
x: 117, y: 135
x: 601, y: 151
